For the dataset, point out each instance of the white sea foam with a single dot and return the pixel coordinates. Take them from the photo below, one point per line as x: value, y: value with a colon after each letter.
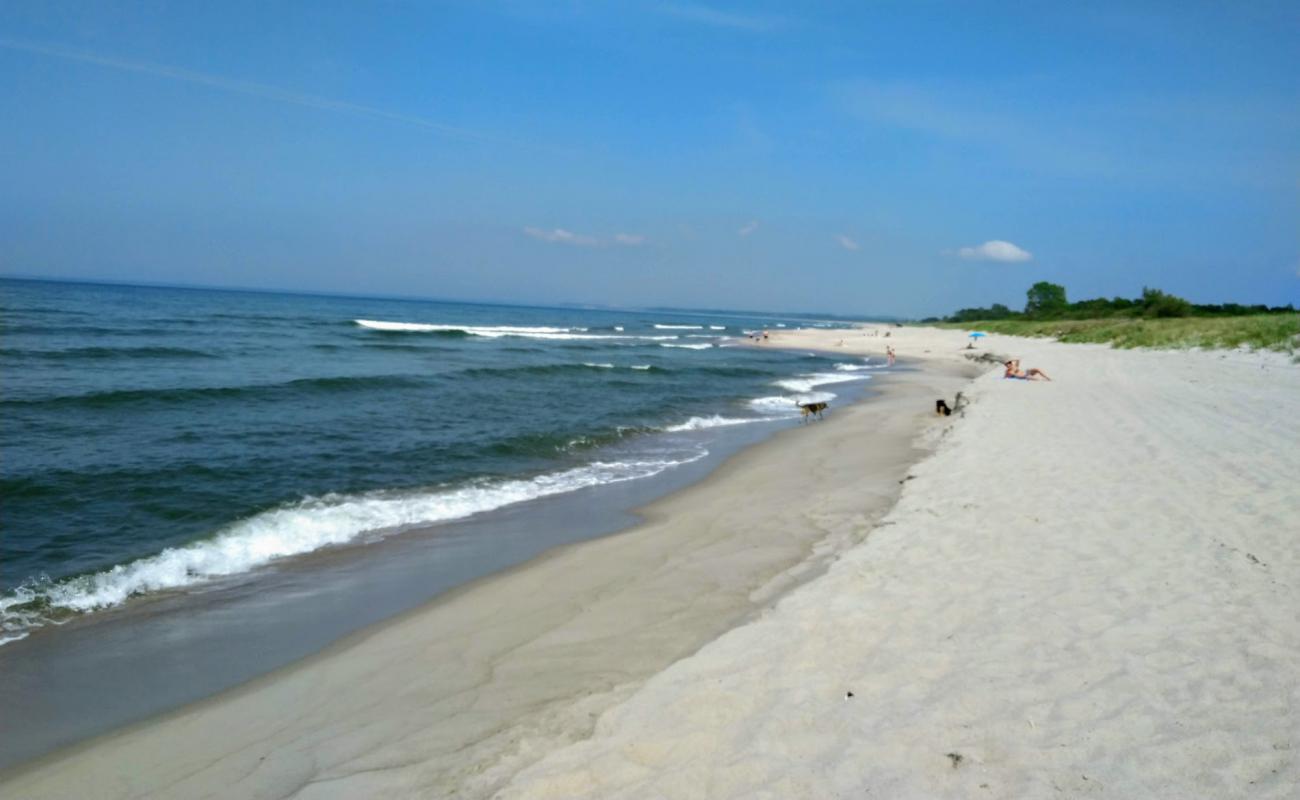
x: 788, y: 405
x: 804, y: 383
x: 700, y: 346
x: 715, y: 421
x: 844, y: 367
x: 597, y: 366
x: 642, y: 366
x: 303, y: 527
x: 427, y: 327
x: 496, y: 331
x: 679, y: 327
x: 618, y: 327
x: 717, y: 327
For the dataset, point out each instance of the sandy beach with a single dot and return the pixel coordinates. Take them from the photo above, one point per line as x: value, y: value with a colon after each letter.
x: 1090, y: 590
x: 1084, y: 587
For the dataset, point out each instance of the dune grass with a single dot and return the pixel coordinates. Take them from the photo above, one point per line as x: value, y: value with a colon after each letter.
x: 1280, y: 332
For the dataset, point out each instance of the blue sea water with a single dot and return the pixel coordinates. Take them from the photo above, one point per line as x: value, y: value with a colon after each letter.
x: 155, y: 440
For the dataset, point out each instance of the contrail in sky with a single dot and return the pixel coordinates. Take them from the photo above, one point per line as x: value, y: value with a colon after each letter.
x: 261, y: 90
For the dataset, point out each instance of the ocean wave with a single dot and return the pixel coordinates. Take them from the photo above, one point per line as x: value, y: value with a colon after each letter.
x: 303, y: 527
x: 525, y: 371
x: 101, y: 353
x: 126, y: 397
x: 788, y: 405
x: 701, y: 346
x: 637, y: 367
x: 492, y: 331
x: 804, y: 383
x: 426, y: 327
x: 547, y: 444
x: 844, y: 367
x: 715, y: 421
x: 679, y: 327
x: 717, y: 327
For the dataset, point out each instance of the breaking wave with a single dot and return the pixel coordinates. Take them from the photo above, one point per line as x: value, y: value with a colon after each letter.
x: 303, y: 527
x: 491, y: 331
x: 715, y: 421
x: 805, y: 383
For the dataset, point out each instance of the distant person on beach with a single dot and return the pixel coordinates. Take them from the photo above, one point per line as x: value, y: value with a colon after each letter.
x: 889, y: 354
x: 1031, y: 374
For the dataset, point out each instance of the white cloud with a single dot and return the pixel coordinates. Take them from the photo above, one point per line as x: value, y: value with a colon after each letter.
x: 259, y: 90
x: 996, y: 250
x: 748, y: 228
x: 561, y: 236
x: 846, y: 242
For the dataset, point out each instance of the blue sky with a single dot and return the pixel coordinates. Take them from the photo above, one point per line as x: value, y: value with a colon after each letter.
x: 905, y: 158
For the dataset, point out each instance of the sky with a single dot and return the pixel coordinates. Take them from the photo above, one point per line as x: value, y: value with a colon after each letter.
x: 903, y: 158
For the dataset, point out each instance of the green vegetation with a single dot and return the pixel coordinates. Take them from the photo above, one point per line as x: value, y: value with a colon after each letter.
x: 1262, y: 331
x: 1155, y: 319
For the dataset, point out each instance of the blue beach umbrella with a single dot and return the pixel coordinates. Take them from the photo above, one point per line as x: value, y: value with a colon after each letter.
x: 977, y: 334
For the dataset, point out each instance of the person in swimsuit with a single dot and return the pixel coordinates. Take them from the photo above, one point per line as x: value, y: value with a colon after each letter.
x: 1014, y: 371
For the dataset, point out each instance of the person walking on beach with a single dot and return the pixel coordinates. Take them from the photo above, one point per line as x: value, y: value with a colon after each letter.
x: 889, y: 354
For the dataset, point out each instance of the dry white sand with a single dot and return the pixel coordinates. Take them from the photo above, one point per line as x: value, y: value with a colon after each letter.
x: 1091, y: 590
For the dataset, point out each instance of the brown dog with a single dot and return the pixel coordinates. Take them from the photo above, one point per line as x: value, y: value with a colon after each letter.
x: 807, y: 410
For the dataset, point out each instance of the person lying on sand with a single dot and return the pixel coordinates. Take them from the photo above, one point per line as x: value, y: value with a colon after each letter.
x: 1031, y: 374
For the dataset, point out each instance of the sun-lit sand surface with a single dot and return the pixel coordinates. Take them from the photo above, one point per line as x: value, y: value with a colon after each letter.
x: 1090, y: 588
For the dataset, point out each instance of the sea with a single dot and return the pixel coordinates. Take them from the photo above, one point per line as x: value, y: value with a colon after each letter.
x: 161, y: 446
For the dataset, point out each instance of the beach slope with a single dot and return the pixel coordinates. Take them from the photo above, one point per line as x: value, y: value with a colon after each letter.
x: 1092, y: 589
x: 455, y: 698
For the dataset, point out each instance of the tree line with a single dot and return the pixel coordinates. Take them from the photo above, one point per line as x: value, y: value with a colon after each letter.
x: 1047, y: 301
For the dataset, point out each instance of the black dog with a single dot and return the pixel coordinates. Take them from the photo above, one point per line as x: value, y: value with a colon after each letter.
x: 941, y: 407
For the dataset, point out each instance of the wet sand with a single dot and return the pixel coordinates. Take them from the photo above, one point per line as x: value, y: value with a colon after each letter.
x: 460, y: 695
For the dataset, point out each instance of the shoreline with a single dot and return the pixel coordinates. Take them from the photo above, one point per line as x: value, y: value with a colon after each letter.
x: 1089, y: 589
x: 719, y: 602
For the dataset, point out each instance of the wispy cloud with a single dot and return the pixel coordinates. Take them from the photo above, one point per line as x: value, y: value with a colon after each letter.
x: 1120, y: 137
x: 260, y: 90
x: 562, y: 236
x: 995, y: 250
x: 748, y: 228
x: 707, y: 15
x: 846, y: 242
x: 981, y: 117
